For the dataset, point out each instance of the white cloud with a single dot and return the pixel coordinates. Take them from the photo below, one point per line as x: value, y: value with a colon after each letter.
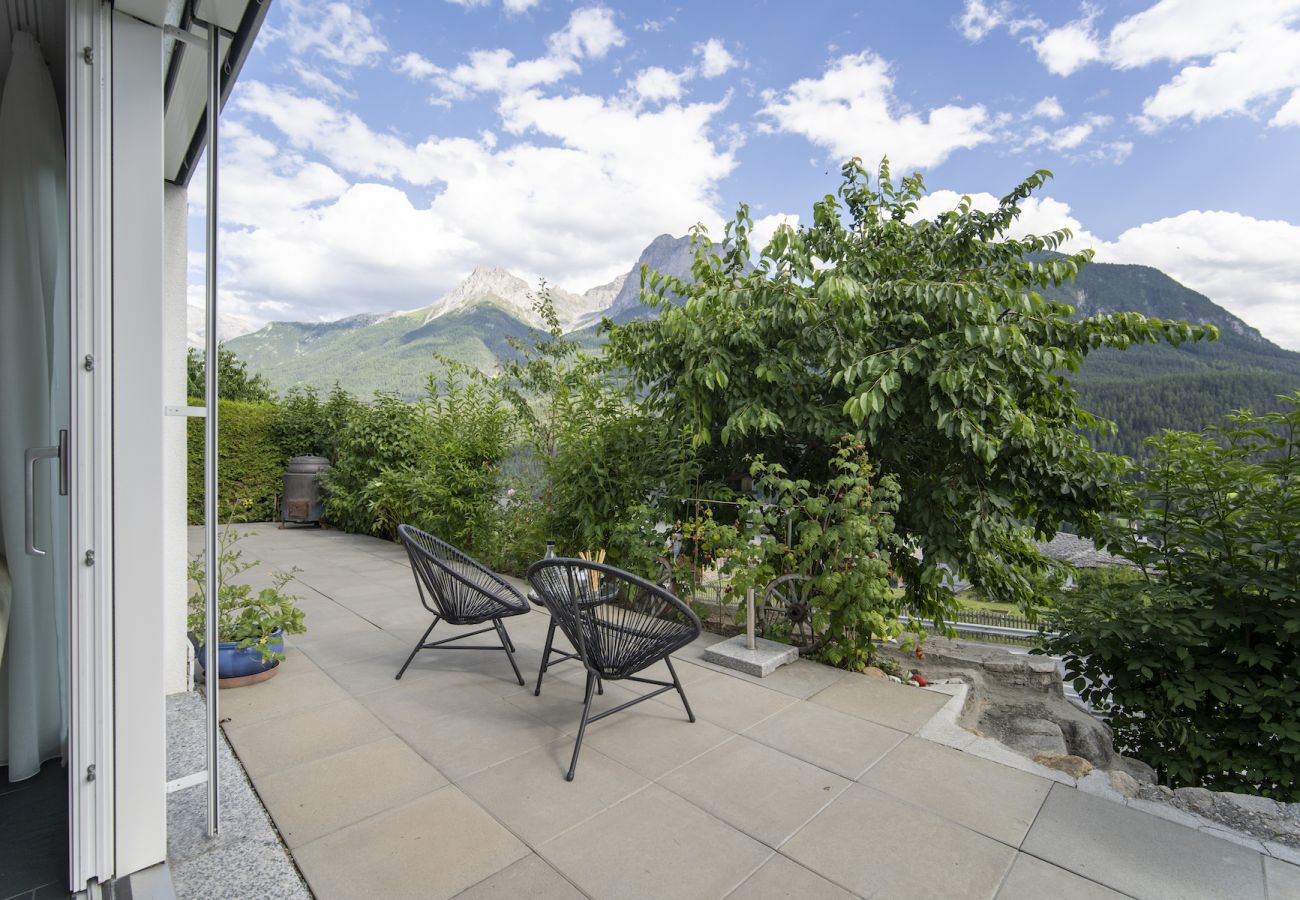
x: 515, y: 7
x: 978, y: 18
x: 715, y: 59
x: 1289, y: 113
x: 1070, y: 137
x: 344, y: 235
x: 591, y: 32
x: 338, y: 33
x: 1048, y: 108
x: 1232, y: 58
x: 498, y: 71
x: 851, y: 110
x: 1175, y: 30
x: 1251, y: 267
x: 1066, y: 49
x: 1038, y: 215
x: 416, y: 66
x: 657, y: 83
x: 1233, y: 81
x: 765, y: 227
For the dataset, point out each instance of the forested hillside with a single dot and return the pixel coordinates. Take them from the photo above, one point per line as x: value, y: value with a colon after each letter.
x: 1149, y: 388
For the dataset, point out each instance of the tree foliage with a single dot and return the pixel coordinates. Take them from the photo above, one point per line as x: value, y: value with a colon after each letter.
x: 434, y: 464
x: 234, y: 381
x: 609, y: 468
x: 1198, y: 663
x: 927, y: 340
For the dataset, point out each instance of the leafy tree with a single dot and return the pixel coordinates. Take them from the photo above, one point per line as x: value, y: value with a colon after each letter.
x: 841, y: 537
x: 929, y: 341
x: 234, y: 381
x: 1196, y: 664
x: 608, y: 465
x: 306, y: 425
x: 434, y: 464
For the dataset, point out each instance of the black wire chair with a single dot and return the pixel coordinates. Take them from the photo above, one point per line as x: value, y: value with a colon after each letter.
x: 462, y: 593
x: 619, y: 625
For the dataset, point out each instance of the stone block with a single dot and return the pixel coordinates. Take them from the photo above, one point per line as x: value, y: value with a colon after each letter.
x: 763, y: 660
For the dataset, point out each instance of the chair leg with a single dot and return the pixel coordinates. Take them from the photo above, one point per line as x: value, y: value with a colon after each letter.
x: 546, y: 658
x: 418, y: 645
x: 509, y: 647
x: 678, y: 684
x: 586, y: 711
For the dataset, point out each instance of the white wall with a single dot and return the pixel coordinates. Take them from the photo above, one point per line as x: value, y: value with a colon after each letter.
x: 177, y: 650
x: 139, y: 465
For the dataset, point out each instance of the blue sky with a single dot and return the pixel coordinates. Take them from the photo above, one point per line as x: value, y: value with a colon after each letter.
x: 375, y: 152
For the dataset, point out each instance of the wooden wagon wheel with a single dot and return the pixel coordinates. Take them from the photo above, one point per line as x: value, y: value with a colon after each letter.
x: 666, y: 579
x: 785, y: 610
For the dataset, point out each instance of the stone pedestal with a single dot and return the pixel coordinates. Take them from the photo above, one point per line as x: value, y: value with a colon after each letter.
x: 762, y: 661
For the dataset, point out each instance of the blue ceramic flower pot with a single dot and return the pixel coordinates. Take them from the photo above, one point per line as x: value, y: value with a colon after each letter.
x: 236, y: 662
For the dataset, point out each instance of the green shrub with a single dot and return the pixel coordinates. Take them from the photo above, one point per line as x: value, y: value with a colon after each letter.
x: 1196, y: 664
x: 841, y: 536
x: 307, y: 426
x: 251, y: 463
x: 386, y: 435
x: 605, y: 465
x: 435, y: 464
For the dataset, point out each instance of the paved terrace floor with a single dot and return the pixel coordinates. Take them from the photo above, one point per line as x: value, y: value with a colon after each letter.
x: 810, y: 784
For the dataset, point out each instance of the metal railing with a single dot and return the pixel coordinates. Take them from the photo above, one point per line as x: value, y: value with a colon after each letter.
x: 998, y: 628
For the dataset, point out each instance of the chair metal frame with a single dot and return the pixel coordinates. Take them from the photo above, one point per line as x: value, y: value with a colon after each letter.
x: 497, y: 599
x: 552, y: 654
x: 576, y: 615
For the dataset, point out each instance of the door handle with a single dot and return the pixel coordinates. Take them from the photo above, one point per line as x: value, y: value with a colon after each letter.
x: 33, y: 454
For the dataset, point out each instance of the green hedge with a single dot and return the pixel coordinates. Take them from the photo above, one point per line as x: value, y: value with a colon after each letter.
x: 252, y: 463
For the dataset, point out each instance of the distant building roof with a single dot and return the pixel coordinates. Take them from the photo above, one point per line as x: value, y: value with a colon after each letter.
x: 1079, y: 552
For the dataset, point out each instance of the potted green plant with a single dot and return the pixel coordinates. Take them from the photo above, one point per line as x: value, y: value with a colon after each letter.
x: 250, y: 625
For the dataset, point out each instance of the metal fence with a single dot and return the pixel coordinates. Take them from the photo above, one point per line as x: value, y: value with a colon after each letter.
x: 993, y: 627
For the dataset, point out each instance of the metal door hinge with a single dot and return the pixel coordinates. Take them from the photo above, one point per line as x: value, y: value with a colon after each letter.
x: 90, y: 557
x: 89, y: 362
x: 88, y: 55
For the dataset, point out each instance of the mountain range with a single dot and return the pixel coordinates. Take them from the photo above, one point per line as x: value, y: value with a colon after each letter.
x: 1143, y: 389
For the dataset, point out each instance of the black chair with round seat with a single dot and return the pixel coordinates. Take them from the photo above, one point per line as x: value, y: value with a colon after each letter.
x: 459, y: 591
x: 619, y: 625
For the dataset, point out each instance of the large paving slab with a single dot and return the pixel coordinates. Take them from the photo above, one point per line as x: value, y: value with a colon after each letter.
x: 781, y: 878
x: 835, y: 741
x: 290, y: 740
x: 655, y: 844
x: 730, y: 702
x: 431, y: 848
x: 1032, y: 879
x: 877, y: 846
x: 1283, y: 880
x: 531, y: 877
x: 810, y: 783
x: 758, y: 790
x: 311, y: 800
x: 528, y: 793
x: 992, y: 799
x: 893, y: 705
x: 1139, y: 854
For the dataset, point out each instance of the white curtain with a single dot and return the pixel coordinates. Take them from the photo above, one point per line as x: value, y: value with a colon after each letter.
x: 33, y: 408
